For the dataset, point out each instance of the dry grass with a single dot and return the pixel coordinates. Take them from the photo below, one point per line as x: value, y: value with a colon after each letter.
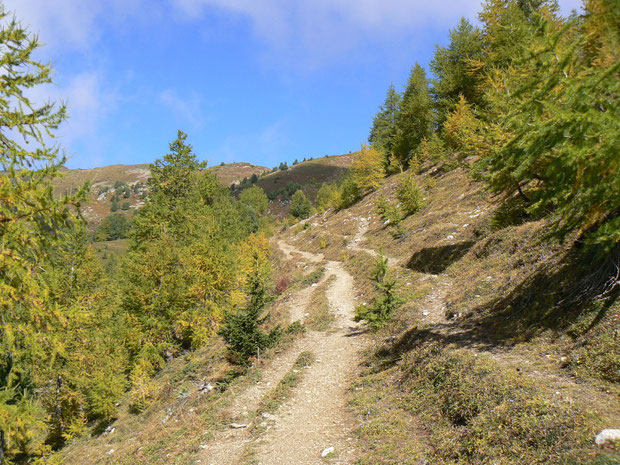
x: 309, y: 175
x: 231, y: 173
x: 272, y: 401
x: 320, y: 317
x: 511, y: 308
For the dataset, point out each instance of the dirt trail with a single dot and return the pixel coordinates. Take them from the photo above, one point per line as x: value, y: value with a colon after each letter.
x: 360, y: 236
x: 433, y: 308
x: 315, y: 417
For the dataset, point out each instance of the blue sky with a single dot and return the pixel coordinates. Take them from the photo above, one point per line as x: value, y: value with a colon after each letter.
x: 261, y: 81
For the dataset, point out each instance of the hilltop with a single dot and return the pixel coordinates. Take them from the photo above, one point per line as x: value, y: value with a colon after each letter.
x: 130, y: 181
x: 307, y: 175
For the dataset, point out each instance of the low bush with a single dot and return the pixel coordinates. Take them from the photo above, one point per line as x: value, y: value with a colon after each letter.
x: 410, y: 195
x: 380, y: 312
x: 300, y: 205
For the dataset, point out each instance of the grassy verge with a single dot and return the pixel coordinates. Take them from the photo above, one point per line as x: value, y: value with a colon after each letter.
x: 439, y: 404
x: 314, y: 277
x: 272, y: 401
x: 320, y: 317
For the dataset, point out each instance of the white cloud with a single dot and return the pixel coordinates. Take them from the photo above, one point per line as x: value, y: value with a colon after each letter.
x: 71, y: 24
x: 316, y: 31
x: 186, y: 108
x: 88, y: 102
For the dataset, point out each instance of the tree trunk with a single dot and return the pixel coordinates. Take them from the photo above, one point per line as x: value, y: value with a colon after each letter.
x: 1, y: 447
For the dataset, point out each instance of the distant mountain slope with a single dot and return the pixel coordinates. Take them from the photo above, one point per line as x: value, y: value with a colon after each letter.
x: 127, y: 183
x: 309, y: 175
x: 232, y: 173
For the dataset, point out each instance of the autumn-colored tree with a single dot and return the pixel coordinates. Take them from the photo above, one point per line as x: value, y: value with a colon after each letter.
x: 455, y: 75
x: 563, y: 153
x: 367, y: 169
x: 30, y: 218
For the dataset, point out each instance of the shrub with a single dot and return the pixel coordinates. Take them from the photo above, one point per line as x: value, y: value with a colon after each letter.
x: 114, y: 226
x: 256, y: 199
x: 348, y: 193
x: 368, y: 169
x: 410, y: 195
x: 326, y: 196
x: 300, y: 205
x: 242, y: 329
x: 388, y: 211
x: 282, y: 285
x: 433, y: 149
x: 380, y: 312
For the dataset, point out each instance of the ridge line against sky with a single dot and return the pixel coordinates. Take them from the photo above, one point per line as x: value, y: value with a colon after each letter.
x: 257, y: 81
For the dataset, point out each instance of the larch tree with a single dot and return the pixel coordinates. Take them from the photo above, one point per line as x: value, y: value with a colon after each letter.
x: 383, y: 128
x: 30, y: 218
x: 415, y: 120
x: 452, y: 66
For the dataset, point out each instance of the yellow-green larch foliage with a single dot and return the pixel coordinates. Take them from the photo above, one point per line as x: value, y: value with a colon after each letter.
x: 368, y: 169
x: 30, y: 218
x: 463, y: 132
x: 557, y: 107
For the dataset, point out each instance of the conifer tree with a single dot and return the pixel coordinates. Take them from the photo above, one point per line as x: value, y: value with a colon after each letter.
x: 383, y: 128
x: 30, y: 216
x: 367, y: 169
x: 562, y: 153
x: 300, y: 205
x: 452, y: 66
x: 415, y: 119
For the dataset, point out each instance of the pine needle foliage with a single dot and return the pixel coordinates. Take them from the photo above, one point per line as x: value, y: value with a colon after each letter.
x: 300, y: 205
x: 242, y: 329
x: 30, y: 218
x: 380, y: 312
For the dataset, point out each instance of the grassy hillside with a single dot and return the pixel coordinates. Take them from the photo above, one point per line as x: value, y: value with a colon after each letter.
x: 232, y: 173
x: 506, y: 348
x: 104, y: 179
x: 309, y: 175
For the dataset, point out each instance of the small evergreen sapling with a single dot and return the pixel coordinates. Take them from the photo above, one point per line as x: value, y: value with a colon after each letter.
x: 380, y: 312
x: 242, y: 329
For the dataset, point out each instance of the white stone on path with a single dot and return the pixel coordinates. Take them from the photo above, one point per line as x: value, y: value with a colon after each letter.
x: 607, y: 435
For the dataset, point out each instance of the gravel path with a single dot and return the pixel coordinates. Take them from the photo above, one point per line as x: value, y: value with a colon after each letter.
x: 316, y: 416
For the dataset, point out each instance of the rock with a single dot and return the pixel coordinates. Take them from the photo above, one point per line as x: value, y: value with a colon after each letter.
x: 327, y: 451
x: 205, y: 387
x: 238, y: 425
x: 607, y: 435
